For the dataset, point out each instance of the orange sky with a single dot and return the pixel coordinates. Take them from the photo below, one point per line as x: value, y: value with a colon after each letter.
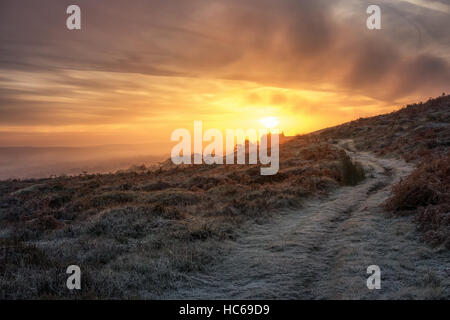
x: 161, y: 104
x: 135, y: 74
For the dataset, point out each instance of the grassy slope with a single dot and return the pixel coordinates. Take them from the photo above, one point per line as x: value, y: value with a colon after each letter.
x: 413, y: 133
x: 147, y: 227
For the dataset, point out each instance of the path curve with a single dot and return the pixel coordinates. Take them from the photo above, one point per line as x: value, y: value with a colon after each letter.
x: 322, y: 250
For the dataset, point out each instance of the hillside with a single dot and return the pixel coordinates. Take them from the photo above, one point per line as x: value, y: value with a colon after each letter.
x: 156, y: 224
x: 418, y: 133
x: 413, y: 133
x: 137, y: 233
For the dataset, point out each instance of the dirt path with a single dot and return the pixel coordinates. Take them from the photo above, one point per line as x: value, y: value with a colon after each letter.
x: 322, y: 251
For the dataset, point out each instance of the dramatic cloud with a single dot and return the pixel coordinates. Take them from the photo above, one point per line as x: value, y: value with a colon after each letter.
x: 147, y: 61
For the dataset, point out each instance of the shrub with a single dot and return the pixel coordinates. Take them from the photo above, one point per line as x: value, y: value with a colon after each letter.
x: 426, y: 185
x: 426, y: 193
x: 352, y: 172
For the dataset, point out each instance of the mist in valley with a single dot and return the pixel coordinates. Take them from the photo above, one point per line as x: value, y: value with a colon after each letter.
x: 43, y: 162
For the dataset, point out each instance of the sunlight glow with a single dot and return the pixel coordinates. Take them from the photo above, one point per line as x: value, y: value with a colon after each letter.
x: 269, y: 122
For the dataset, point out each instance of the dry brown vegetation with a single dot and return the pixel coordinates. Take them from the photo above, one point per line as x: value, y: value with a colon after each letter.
x: 426, y: 193
x: 136, y: 231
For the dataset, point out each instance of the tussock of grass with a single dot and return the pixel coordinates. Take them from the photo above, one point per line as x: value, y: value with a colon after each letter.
x: 352, y: 172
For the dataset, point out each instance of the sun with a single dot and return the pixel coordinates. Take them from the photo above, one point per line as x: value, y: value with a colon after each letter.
x: 269, y: 122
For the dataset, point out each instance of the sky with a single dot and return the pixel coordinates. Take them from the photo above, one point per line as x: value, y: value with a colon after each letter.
x: 138, y: 70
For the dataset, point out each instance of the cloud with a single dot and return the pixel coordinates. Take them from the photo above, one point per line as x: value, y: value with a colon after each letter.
x: 50, y: 74
x: 433, y: 5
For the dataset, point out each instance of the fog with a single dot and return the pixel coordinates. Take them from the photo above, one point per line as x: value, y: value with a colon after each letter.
x: 41, y: 162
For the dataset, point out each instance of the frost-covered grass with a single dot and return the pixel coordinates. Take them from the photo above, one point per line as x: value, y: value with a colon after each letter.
x: 134, y: 233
